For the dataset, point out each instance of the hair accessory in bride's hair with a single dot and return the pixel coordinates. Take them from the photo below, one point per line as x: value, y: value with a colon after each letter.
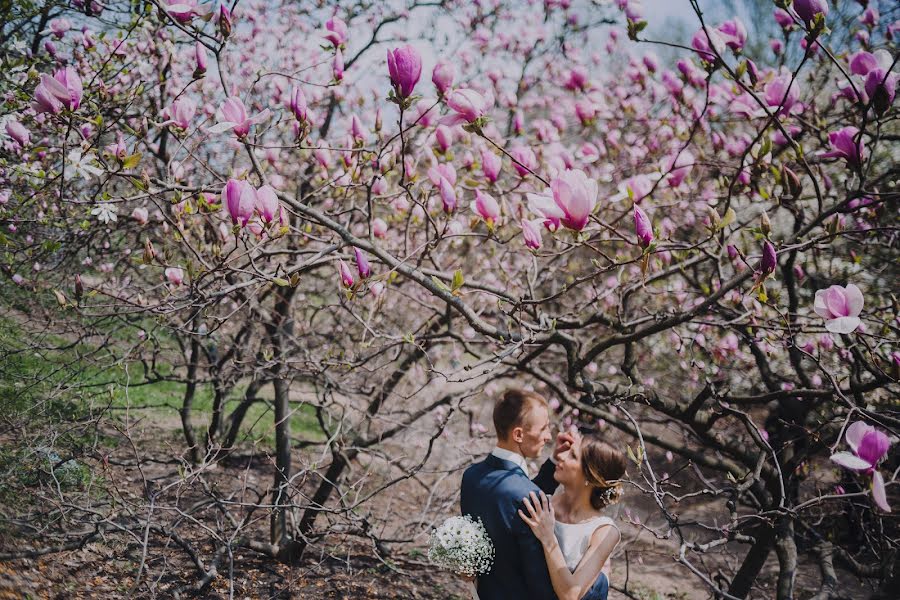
x: 612, y: 491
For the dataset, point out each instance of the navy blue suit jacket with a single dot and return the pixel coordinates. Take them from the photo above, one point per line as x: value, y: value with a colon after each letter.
x: 492, y: 490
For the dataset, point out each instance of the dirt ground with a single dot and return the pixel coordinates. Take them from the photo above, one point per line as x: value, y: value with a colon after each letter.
x: 643, y: 566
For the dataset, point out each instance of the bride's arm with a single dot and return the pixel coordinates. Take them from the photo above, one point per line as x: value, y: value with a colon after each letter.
x: 568, y: 585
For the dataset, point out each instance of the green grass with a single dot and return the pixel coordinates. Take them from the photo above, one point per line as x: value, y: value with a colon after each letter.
x: 63, y: 384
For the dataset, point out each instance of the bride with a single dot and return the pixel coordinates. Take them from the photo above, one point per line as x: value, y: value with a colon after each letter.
x: 577, y: 539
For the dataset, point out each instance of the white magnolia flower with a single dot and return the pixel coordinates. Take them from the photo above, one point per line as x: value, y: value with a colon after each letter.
x: 18, y: 45
x: 105, y: 212
x: 83, y: 164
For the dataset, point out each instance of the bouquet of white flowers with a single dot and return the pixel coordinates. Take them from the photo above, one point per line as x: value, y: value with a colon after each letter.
x: 462, y: 545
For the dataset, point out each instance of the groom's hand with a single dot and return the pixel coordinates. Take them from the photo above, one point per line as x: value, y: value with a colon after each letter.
x: 564, y: 441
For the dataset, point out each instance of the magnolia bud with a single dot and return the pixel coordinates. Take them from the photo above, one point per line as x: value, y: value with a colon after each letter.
x: 791, y: 182
x: 765, y: 225
x: 149, y: 252
x: 79, y: 287
x: 715, y: 221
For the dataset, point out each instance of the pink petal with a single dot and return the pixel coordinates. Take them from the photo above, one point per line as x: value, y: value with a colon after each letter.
x: 856, y: 433
x: 874, y: 446
x: 454, y: 119
x: 222, y: 127
x: 854, y: 299
x: 850, y: 461
x: 842, y: 325
x: 878, y: 492
x: 820, y: 307
x: 261, y: 117
x: 545, y: 206
x: 837, y: 301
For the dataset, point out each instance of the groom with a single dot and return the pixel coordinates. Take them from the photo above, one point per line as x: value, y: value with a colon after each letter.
x: 492, y: 490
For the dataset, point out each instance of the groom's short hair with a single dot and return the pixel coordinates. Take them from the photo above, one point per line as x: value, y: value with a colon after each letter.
x: 511, y: 407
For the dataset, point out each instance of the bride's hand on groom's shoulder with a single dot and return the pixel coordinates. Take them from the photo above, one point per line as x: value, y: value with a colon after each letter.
x: 540, y: 518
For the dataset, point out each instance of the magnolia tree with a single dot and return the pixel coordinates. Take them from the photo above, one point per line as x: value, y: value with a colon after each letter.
x: 380, y: 211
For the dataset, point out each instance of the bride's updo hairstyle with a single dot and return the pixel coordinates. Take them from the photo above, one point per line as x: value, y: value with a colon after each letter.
x: 603, y: 467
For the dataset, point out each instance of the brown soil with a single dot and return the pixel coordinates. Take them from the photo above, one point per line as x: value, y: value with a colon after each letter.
x: 643, y: 567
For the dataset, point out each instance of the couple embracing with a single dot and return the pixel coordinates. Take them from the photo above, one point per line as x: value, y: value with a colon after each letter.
x: 550, y: 537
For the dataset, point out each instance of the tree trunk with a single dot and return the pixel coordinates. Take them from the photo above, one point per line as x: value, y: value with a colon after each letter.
x: 236, y: 418
x: 283, y: 331
x: 786, y: 549
x: 753, y: 563
x: 190, y: 391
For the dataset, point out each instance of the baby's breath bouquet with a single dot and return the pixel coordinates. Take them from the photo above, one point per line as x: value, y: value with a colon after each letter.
x: 462, y: 545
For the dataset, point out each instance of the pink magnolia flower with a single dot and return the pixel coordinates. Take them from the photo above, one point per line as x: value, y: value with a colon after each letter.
x: 118, y: 149
x: 180, y: 114
x: 379, y: 228
x: 531, y: 233
x: 267, y: 203
x: 769, y: 258
x: 18, y: 132
x: 184, y: 11
x: 783, y: 18
x: 642, y: 227
x: 336, y: 31
x: 445, y: 170
x: 868, y: 447
x: 444, y: 137
x: 708, y: 44
x: 225, y: 22
x: 239, y: 199
x: 844, y: 145
x: 356, y: 128
x: 298, y: 104
x: 733, y: 33
x: 781, y: 92
x: 362, y: 264
x: 578, y: 79
x: 526, y: 157
x: 234, y: 117
x: 175, y: 275
x: 200, y: 58
x: 808, y: 9
x: 679, y: 167
x: 840, y: 307
x: 54, y: 93
x: 490, y: 165
x: 442, y: 76
x: 468, y: 105
x: 448, y: 195
x: 405, y: 68
x: 59, y: 27
x: 346, y: 274
x: 862, y: 62
x: 870, y: 17
x: 486, y: 207
x: 570, y: 200
x: 141, y: 215
x: 881, y: 88
x: 337, y: 65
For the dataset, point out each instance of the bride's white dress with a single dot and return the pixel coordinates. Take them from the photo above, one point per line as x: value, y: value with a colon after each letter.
x: 574, y: 538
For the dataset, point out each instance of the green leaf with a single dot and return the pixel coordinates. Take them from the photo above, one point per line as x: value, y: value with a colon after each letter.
x: 280, y: 281
x: 632, y: 456
x: 729, y: 217
x: 132, y: 161
x: 457, y: 280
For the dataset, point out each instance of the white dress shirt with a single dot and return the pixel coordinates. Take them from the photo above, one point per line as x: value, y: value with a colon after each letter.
x: 512, y: 457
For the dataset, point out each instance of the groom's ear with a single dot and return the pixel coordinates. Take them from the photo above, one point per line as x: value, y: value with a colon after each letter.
x: 518, y: 434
